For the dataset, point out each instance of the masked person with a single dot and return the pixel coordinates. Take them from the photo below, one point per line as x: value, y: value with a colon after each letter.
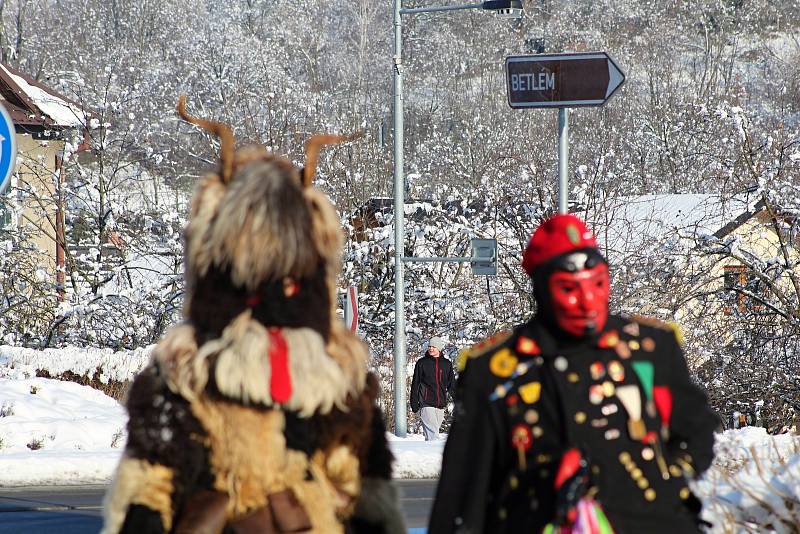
x: 577, y: 418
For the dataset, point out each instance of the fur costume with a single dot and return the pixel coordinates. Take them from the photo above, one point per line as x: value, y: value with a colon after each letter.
x: 256, y: 414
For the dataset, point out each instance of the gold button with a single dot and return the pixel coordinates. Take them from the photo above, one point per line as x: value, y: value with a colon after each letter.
x: 675, y: 471
x: 513, y: 482
x: 650, y: 494
x: 580, y: 417
x: 636, y: 474
x: 573, y: 377
x: 648, y: 453
x: 624, y: 457
x: 633, y: 344
x: 684, y: 493
x: 537, y: 432
x: 642, y: 483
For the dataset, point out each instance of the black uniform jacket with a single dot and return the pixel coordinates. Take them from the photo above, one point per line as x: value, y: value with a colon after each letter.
x: 433, y: 381
x: 524, y: 397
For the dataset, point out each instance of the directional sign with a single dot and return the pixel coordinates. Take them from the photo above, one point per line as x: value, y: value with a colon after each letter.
x: 351, y: 308
x: 8, y: 149
x: 561, y: 80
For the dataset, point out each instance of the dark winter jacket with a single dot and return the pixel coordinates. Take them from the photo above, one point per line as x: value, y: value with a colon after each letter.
x: 433, y: 381
x: 556, y: 396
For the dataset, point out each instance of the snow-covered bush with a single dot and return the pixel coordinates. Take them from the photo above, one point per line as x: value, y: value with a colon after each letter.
x: 754, y: 484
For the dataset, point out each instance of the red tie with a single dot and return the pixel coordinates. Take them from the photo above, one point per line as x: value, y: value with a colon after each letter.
x: 280, y: 381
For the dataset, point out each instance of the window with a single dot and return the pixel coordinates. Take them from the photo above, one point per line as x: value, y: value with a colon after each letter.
x: 740, y: 280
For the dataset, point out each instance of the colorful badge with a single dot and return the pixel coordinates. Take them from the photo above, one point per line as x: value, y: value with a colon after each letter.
x: 609, y: 409
x: 648, y: 344
x: 608, y: 339
x: 531, y: 417
x: 631, y: 329
x: 503, y: 363
x: 623, y: 351
x: 597, y: 370
x: 596, y: 394
x: 527, y: 346
x: 521, y: 439
x: 530, y: 392
x: 616, y: 371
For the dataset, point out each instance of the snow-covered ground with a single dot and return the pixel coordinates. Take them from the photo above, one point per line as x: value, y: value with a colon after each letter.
x: 54, y: 432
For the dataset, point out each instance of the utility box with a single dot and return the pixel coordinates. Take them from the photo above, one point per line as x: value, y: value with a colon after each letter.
x: 484, y: 257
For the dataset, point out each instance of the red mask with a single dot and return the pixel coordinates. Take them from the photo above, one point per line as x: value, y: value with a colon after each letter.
x: 580, y: 299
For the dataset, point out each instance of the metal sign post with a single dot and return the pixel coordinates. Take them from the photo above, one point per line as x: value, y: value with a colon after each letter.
x: 562, y: 81
x: 8, y: 149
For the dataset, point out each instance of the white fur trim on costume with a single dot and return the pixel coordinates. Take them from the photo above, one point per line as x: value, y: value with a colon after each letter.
x: 239, y: 361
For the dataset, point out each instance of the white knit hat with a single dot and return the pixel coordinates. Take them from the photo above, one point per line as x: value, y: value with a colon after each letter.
x: 437, y: 342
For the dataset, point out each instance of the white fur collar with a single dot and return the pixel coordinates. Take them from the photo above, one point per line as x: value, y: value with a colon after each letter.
x: 241, y: 367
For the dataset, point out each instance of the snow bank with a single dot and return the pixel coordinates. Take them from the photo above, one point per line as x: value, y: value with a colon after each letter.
x: 754, y: 484
x: 54, y: 432
x: 415, y: 457
x: 16, y: 362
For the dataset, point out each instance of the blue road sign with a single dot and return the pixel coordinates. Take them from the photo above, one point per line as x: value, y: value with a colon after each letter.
x: 8, y: 149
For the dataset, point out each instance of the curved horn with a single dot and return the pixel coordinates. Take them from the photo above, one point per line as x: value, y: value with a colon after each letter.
x: 220, y: 130
x: 315, y: 144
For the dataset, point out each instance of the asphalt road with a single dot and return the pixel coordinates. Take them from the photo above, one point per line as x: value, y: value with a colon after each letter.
x: 76, y: 509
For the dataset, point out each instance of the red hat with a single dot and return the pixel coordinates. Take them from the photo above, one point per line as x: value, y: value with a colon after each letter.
x: 557, y: 235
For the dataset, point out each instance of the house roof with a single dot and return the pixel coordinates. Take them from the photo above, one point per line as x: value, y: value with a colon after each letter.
x: 629, y: 224
x: 32, y: 104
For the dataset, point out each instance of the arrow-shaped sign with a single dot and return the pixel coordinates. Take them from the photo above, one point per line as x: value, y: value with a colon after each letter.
x: 562, y: 80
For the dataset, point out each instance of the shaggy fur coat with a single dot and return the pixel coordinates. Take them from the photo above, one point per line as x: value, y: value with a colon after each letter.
x: 256, y: 414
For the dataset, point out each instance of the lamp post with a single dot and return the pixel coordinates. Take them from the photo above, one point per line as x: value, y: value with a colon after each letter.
x: 508, y: 8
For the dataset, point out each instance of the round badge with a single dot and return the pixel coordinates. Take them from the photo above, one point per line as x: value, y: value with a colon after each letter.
x: 561, y: 363
x: 597, y: 370
x: 573, y: 234
x: 616, y: 371
x: 648, y: 454
x: 531, y: 417
x: 580, y: 417
x: 503, y: 363
x: 623, y: 351
x: 596, y: 394
x: 573, y: 378
x: 521, y: 437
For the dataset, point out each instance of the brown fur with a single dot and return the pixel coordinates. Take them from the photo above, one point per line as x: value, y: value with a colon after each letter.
x: 138, y: 482
x: 248, y: 452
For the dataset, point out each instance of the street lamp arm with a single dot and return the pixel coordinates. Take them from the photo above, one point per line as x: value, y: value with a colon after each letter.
x: 432, y: 9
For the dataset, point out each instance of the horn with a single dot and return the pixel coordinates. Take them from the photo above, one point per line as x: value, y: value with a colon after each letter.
x: 220, y: 130
x: 313, y: 147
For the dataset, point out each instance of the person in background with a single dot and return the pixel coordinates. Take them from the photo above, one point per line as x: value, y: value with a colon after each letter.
x: 433, y: 381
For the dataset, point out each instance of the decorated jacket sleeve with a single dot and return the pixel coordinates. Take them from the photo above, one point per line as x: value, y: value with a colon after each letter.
x: 162, y: 460
x: 693, y: 422
x: 463, y: 490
